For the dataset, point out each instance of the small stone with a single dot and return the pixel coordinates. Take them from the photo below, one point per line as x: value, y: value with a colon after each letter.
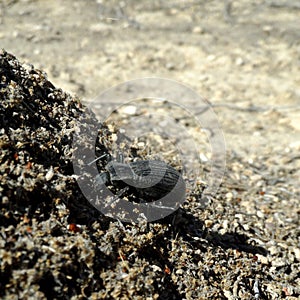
x: 156, y: 268
x: 211, y: 57
x: 49, y: 174
x: 297, y: 253
x: 239, y: 61
x: 170, y: 66
x: 262, y: 259
x: 5, y: 200
x: 260, y: 214
x: 229, y: 196
x: 129, y: 110
x: 208, y: 223
x: 198, y: 30
x: 267, y: 28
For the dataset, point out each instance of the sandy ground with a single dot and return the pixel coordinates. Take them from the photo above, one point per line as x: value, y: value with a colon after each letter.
x: 243, y: 56
x: 249, y: 57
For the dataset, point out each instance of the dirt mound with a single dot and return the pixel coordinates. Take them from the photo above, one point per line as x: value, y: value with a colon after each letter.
x: 243, y: 245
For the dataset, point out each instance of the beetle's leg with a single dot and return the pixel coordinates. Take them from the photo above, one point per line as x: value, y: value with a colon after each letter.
x: 106, y: 154
x: 120, y: 157
x: 117, y: 196
x: 102, y: 179
x: 151, y: 204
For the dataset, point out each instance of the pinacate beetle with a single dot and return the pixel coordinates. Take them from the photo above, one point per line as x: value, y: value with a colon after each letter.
x: 147, y: 180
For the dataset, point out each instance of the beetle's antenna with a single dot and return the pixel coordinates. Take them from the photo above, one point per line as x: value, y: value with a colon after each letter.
x: 97, y: 159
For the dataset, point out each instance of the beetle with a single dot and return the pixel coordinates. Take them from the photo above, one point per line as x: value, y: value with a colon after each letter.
x: 146, y: 180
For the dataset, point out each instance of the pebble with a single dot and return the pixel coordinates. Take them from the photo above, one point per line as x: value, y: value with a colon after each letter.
x: 198, y: 30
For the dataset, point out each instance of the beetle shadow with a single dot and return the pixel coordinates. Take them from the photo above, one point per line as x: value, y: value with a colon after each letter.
x: 194, y: 231
x: 191, y: 229
x: 182, y: 224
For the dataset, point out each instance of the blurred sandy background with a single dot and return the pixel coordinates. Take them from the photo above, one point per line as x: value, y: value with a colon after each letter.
x: 244, y: 57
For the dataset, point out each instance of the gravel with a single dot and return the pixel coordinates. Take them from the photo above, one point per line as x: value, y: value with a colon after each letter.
x: 243, y: 244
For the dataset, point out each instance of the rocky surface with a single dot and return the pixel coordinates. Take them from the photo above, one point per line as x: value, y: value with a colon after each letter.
x: 244, y: 243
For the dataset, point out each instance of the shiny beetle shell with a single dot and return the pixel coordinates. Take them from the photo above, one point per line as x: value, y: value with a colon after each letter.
x: 150, y: 179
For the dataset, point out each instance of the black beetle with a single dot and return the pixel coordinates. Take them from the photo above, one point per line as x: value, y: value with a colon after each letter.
x: 147, y: 180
